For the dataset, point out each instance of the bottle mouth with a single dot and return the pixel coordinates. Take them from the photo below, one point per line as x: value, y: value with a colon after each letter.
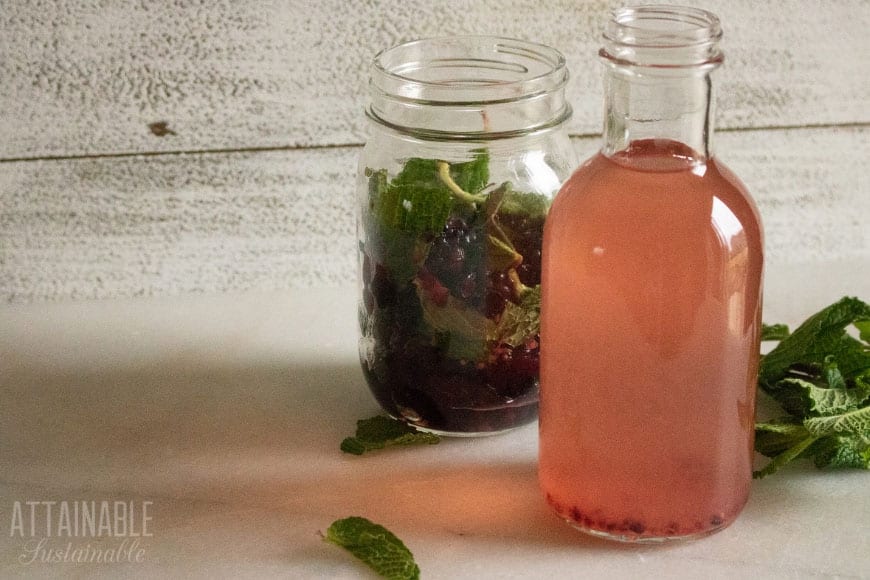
x: 663, y: 37
x: 468, y: 87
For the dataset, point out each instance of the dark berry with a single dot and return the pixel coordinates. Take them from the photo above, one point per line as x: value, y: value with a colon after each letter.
x: 383, y: 288
x: 635, y: 526
x: 514, y: 371
x: 468, y: 286
x: 525, y: 361
x: 455, y: 254
x: 499, y: 291
x: 527, y: 235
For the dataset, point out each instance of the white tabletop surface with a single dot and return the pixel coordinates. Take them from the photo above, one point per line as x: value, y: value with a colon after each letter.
x: 227, y: 411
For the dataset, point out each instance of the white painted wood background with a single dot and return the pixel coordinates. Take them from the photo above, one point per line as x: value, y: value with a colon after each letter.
x: 253, y: 186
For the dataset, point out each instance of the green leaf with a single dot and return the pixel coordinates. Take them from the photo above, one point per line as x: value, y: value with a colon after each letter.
x: 501, y: 254
x: 353, y: 446
x: 822, y: 335
x: 376, y: 546
x: 472, y: 176
x: 821, y: 375
x: 832, y: 374
x: 834, y: 452
x: 801, y: 398
x: 464, y: 329
x: 399, y: 251
x: 418, y: 202
x: 381, y: 431
x: 783, y: 458
x: 520, y: 322
x: 774, y: 331
x: 775, y: 437
x: 531, y: 205
x: 404, y: 213
x: 856, y: 422
x: 783, y: 425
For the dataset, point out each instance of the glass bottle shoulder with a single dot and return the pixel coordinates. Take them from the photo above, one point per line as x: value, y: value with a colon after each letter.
x: 675, y: 202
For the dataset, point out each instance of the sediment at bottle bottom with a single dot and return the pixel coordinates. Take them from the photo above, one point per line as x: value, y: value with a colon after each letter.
x: 638, y: 529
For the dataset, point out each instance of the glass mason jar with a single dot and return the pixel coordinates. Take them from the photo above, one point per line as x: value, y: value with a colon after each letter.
x: 467, y: 149
x: 651, y: 308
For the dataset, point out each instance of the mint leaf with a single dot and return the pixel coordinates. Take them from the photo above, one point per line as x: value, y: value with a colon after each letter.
x: 774, y: 437
x: 856, y: 423
x: 418, y: 202
x: 787, y: 439
x: 406, y: 212
x: 501, y: 253
x: 376, y: 546
x: 464, y: 329
x: 385, y: 243
x: 820, y: 374
x: 774, y: 331
x: 836, y: 452
x: 823, y: 335
x: 533, y: 206
x: 783, y: 458
x: 520, y: 322
x: 472, y: 176
x: 381, y: 431
x: 832, y: 375
x: 800, y: 397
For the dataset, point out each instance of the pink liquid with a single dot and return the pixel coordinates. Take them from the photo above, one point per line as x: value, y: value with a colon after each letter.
x: 649, y: 345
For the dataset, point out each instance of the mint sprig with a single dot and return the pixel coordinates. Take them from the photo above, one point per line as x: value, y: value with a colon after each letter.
x: 381, y: 431
x: 774, y: 331
x: 520, y: 322
x: 376, y: 546
x: 820, y: 375
x: 420, y: 198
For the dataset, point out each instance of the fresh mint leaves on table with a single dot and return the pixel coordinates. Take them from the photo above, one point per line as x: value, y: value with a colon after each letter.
x: 820, y: 375
x: 375, y: 545
x: 774, y: 331
x: 382, y: 431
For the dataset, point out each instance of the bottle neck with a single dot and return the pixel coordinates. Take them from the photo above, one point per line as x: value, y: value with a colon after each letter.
x: 672, y: 108
x: 659, y: 95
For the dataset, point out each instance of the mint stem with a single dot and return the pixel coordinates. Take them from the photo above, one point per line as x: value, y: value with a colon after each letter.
x: 458, y: 192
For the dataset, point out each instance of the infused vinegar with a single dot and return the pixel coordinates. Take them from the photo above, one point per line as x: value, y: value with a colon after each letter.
x: 651, y: 305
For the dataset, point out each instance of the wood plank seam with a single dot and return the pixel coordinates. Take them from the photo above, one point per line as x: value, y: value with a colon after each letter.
x: 268, y: 149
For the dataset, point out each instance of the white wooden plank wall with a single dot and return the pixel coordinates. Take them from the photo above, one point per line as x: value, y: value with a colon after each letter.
x: 252, y: 187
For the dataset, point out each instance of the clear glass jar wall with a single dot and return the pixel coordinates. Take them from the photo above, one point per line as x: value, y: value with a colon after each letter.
x: 467, y: 149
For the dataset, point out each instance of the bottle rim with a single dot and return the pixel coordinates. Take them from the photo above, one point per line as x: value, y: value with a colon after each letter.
x: 666, y: 37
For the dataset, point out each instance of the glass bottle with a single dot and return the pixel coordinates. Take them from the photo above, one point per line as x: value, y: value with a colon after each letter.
x: 652, y: 268
x: 467, y: 149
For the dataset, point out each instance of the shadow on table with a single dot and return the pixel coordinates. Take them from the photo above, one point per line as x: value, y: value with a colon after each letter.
x: 267, y: 436
x: 180, y: 408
